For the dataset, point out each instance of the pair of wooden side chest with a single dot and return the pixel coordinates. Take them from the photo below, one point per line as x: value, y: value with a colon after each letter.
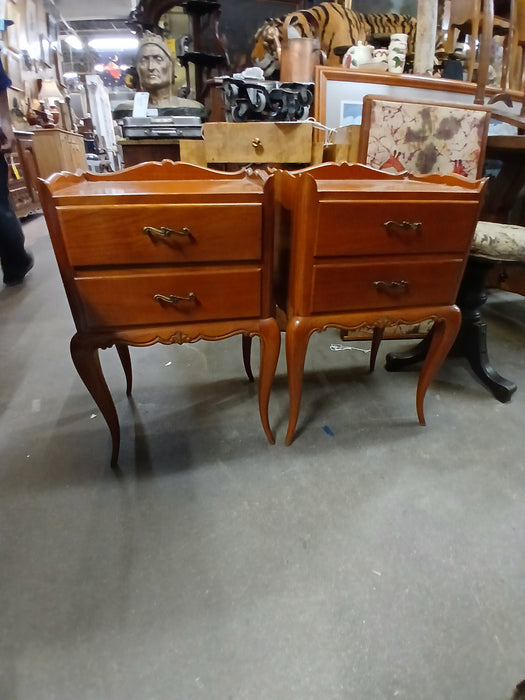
x: 173, y: 253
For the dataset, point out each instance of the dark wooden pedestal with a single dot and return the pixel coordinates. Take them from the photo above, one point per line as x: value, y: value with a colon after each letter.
x: 471, y: 342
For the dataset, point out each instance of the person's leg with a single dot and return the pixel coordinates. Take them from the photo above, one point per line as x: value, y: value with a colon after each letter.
x: 14, y: 258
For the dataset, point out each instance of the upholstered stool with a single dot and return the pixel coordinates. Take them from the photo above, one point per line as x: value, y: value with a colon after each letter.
x: 499, y: 242
x: 497, y: 260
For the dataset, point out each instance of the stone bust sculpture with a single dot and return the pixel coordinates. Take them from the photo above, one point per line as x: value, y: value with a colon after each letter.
x: 155, y: 66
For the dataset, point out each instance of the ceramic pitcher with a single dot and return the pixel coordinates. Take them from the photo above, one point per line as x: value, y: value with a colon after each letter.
x: 397, y: 51
x: 358, y: 55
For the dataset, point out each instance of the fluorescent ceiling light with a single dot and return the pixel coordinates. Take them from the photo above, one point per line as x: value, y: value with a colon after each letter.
x: 70, y: 75
x: 114, y: 43
x: 74, y: 41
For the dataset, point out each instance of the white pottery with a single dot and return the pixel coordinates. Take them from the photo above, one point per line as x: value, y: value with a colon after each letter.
x: 357, y: 55
x: 397, y: 51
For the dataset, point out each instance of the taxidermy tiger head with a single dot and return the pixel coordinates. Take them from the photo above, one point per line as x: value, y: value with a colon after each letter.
x: 266, y: 53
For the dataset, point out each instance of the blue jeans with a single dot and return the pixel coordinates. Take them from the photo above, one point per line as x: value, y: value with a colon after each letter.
x: 13, y: 255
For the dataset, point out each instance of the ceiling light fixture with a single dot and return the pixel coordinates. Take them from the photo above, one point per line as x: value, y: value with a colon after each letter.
x: 74, y: 41
x: 114, y: 43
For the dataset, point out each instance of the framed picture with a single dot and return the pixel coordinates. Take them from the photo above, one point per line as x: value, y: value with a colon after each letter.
x: 350, y: 113
x: 33, y: 40
x: 12, y: 63
x: 339, y: 92
x: 13, y: 31
x: 52, y: 29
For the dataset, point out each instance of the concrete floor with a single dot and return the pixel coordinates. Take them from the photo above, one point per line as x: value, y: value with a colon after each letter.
x: 372, y: 559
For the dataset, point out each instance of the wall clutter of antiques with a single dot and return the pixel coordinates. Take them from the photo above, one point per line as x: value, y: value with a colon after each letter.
x: 230, y: 61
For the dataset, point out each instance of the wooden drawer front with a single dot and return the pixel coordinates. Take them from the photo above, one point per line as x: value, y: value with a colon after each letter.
x: 358, y: 228
x: 258, y: 142
x: 126, y: 299
x: 338, y: 288
x: 102, y: 235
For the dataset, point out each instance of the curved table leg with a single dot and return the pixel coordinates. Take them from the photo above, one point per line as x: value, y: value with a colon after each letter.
x: 377, y: 337
x: 270, y: 337
x: 123, y: 352
x: 472, y: 339
x: 87, y: 363
x: 247, y: 355
x: 396, y: 361
x: 445, y: 332
x: 474, y: 348
x: 297, y: 336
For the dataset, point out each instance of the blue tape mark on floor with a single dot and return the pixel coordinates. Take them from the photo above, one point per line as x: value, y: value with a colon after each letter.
x: 327, y: 430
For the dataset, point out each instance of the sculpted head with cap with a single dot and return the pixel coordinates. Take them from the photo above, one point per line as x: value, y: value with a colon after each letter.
x: 155, y: 69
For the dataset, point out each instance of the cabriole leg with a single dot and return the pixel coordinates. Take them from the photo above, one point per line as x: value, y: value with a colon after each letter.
x: 270, y: 337
x: 87, y: 363
x: 297, y: 336
x: 444, y: 333
x: 123, y: 352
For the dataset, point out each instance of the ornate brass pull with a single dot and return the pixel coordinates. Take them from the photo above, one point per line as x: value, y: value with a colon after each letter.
x: 173, y: 298
x: 383, y: 286
x: 165, y: 232
x: 403, y: 225
x: 256, y: 143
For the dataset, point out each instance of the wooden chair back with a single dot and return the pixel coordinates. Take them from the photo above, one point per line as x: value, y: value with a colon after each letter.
x: 423, y: 138
x: 475, y: 18
x: 465, y: 12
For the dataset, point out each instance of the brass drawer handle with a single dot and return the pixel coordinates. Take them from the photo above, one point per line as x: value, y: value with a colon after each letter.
x: 403, y: 226
x: 173, y: 298
x: 383, y: 286
x: 256, y: 143
x: 165, y: 232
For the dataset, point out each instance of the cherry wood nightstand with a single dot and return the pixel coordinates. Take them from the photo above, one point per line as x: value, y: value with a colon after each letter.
x: 371, y: 250
x: 163, y: 253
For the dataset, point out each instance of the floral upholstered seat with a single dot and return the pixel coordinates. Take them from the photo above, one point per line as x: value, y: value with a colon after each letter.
x: 499, y: 242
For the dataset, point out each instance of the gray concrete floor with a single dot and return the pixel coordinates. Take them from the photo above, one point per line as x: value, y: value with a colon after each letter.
x: 371, y: 559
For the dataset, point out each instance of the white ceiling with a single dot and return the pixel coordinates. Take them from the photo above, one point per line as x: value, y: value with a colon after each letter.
x: 73, y: 10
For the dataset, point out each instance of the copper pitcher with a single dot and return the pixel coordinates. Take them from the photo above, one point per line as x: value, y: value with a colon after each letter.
x: 298, y: 56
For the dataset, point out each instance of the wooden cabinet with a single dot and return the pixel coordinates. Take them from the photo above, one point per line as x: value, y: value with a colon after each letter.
x: 371, y: 250
x: 136, y: 151
x: 251, y: 142
x: 168, y: 253
x: 22, y: 176
x: 57, y: 150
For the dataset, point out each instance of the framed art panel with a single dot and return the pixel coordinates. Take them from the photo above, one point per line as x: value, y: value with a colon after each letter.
x: 12, y: 63
x: 31, y: 27
x: 13, y: 31
x: 52, y: 29
x: 339, y: 92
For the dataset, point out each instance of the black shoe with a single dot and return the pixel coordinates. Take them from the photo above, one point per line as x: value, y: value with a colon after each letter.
x: 14, y: 281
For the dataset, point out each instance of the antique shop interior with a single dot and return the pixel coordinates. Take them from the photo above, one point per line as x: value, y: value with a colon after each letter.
x: 262, y: 392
